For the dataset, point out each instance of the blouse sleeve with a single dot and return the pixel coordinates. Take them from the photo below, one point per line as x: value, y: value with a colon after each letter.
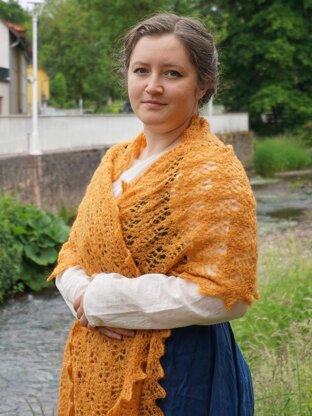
x: 151, y: 301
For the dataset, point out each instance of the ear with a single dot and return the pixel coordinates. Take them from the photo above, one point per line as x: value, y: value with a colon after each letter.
x: 201, y: 91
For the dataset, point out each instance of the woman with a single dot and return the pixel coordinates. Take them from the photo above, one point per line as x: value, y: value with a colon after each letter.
x: 163, y: 249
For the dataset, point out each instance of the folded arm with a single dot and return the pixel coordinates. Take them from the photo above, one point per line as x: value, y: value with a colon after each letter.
x: 151, y: 301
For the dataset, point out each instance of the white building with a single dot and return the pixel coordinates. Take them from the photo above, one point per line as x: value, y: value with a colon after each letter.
x: 13, y: 69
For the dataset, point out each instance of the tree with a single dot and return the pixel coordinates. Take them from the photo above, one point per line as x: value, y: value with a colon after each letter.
x: 80, y: 38
x: 13, y: 12
x: 266, y: 65
x: 59, y: 90
x: 265, y: 49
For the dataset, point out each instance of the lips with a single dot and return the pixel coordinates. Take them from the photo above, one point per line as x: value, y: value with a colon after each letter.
x: 152, y: 102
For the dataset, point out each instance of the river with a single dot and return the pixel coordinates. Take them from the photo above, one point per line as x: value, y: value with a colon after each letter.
x: 33, y: 328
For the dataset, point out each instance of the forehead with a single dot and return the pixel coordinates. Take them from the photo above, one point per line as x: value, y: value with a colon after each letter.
x: 164, y: 48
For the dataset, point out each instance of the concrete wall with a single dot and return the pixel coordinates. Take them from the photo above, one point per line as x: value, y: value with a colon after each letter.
x: 5, y: 44
x: 5, y: 100
x: 63, y: 133
x: 59, y: 179
x: 4, y: 63
x: 13, y: 91
x: 18, y: 80
x: 73, y: 148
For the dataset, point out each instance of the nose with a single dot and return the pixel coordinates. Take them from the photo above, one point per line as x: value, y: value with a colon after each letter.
x: 154, y: 85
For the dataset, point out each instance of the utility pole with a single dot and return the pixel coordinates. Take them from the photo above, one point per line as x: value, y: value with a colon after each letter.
x: 34, y: 144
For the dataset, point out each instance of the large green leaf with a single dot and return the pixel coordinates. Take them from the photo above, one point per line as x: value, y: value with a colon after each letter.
x: 40, y: 256
x: 33, y: 277
x: 40, y: 223
x: 58, y: 231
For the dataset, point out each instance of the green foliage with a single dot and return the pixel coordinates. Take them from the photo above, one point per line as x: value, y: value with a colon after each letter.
x: 265, y: 51
x: 279, y: 154
x: 276, y: 333
x: 80, y: 38
x: 39, y: 405
x: 68, y: 215
x: 115, y: 107
x: 59, y: 90
x: 13, y: 12
x: 33, y: 239
x: 10, y: 261
x: 305, y: 134
x: 266, y: 61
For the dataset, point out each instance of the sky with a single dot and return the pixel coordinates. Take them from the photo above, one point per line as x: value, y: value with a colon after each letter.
x: 25, y: 3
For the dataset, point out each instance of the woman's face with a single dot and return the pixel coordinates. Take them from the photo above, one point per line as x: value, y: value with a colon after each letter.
x: 162, y: 83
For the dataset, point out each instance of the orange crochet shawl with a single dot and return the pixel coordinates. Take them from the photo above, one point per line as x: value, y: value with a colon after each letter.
x: 191, y: 214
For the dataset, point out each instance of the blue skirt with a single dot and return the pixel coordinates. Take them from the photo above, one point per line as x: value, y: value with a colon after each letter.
x: 205, y: 374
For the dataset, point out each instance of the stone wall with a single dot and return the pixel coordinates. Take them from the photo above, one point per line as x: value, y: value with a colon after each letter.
x: 55, y: 180
x: 242, y: 144
x: 51, y: 180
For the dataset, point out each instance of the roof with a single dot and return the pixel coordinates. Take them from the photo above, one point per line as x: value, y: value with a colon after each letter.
x: 18, y: 31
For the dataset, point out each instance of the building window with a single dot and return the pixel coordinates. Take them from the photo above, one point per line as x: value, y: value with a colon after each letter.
x: 4, y: 74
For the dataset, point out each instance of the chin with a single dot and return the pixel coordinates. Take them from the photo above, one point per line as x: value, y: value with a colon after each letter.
x: 152, y: 119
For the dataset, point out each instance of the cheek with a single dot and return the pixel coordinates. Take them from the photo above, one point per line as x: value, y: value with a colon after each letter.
x: 187, y: 94
x: 133, y: 88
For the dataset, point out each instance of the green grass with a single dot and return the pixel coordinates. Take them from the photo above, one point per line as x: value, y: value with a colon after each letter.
x: 276, y: 334
x: 38, y: 403
x: 279, y: 154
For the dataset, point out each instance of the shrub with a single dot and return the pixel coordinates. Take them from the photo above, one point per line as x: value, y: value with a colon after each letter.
x: 10, y: 261
x: 305, y: 133
x: 31, y: 239
x: 114, y: 108
x: 59, y: 89
x: 279, y: 154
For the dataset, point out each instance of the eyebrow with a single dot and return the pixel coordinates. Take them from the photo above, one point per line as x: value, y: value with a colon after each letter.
x: 168, y: 65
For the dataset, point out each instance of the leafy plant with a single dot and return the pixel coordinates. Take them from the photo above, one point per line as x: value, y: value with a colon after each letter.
x: 68, y: 215
x: 35, y: 235
x: 10, y: 262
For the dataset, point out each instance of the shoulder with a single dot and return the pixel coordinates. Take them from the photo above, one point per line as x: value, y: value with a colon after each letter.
x: 213, y: 166
x: 117, y: 149
x: 209, y: 152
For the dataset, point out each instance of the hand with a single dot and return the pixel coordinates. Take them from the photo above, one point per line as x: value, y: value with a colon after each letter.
x: 107, y: 332
x: 115, y: 333
x: 78, y: 306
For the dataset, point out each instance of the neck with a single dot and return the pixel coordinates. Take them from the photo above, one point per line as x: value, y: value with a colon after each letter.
x: 157, y: 141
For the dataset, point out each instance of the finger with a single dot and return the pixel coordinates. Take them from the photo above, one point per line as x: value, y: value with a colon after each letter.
x: 123, y: 331
x: 83, y: 321
x: 77, y: 302
x: 80, y: 312
x: 109, y: 333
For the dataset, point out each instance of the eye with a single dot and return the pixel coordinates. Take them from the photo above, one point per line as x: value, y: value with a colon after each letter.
x: 140, y: 71
x: 173, y: 74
